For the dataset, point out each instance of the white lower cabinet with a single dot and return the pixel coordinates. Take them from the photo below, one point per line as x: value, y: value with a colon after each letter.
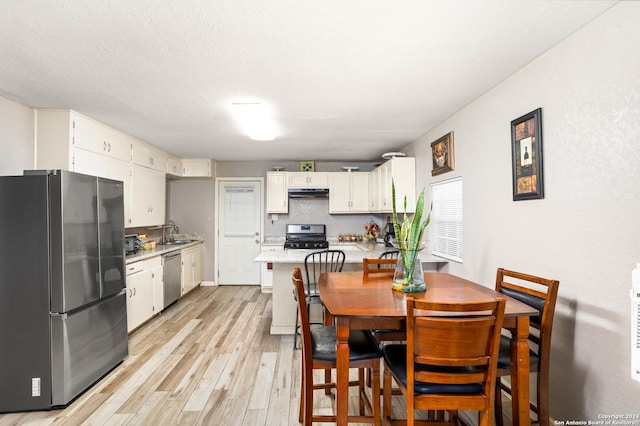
x: 191, y: 268
x: 266, y: 269
x: 158, y: 286
x: 144, y: 280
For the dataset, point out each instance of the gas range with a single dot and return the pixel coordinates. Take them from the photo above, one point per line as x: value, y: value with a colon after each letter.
x: 302, y: 236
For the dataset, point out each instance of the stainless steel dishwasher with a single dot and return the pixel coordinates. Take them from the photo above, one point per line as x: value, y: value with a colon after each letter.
x: 172, y: 270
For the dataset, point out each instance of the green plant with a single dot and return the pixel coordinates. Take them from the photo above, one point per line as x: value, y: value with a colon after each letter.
x: 409, y: 234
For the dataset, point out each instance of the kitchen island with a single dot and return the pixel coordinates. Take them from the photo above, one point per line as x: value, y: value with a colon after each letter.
x: 283, y: 262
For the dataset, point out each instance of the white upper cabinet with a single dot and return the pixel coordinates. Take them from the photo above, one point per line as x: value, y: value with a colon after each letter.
x: 60, y: 132
x: 148, y: 197
x: 197, y: 167
x: 96, y: 137
x: 349, y: 192
x: 308, y: 179
x: 91, y: 163
x: 70, y: 141
x: 402, y: 171
x: 174, y: 166
x: 147, y: 156
x: 277, y: 194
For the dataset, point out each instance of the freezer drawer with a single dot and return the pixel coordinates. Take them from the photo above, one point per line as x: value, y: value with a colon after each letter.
x: 86, y: 345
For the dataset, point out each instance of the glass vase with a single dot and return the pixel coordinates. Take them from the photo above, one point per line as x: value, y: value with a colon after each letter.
x: 409, y: 276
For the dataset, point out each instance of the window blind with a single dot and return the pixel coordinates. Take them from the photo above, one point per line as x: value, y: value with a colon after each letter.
x: 446, y: 219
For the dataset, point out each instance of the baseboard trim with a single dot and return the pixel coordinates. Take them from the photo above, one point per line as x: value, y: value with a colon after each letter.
x: 208, y: 284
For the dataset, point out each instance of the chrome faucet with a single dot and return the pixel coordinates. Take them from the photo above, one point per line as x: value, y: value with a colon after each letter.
x: 173, y: 229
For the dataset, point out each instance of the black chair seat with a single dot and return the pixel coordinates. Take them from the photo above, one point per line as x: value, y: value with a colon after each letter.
x: 531, y: 300
x: 361, y: 344
x: 395, y: 357
x: 314, y: 299
x: 504, y: 356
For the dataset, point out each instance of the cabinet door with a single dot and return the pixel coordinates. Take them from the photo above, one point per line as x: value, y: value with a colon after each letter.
x: 318, y: 180
x: 384, y: 190
x: 339, y: 193
x: 359, y: 192
x: 308, y: 180
x: 147, y: 156
x: 373, y: 191
x: 92, y: 163
x: 187, y: 271
x: 139, y: 298
x: 96, y: 137
x: 174, y: 167
x: 349, y: 192
x: 147, y: 197
x: 197, y: 265
x: 158, y: 288
x: 196, y: 167
x: 403, y: 173
x: 277, y: 196
x: 298, y: 180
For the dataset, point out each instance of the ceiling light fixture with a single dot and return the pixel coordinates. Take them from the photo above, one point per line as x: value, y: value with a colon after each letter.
x: 255, y: 121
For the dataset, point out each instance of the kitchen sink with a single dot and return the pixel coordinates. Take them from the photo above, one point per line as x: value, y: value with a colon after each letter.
x: 175, y: 242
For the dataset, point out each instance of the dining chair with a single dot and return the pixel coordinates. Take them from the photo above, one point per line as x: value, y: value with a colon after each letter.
x: 541, y: 294
x: 319, y: 352
x: 390, y: 254
x: 382, y: 266
x: 315, y: 263
x: 378, y: 267
x: 449, y: 361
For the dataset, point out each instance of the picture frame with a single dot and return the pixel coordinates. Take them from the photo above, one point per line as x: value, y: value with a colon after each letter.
x: 307, y: 166
x: 526, y: 156
x: 442, y: 155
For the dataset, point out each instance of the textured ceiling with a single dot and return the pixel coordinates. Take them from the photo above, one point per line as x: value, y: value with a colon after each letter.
x: 345, y: 80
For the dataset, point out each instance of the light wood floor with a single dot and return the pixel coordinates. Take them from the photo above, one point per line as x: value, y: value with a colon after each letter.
x: 207, y: 360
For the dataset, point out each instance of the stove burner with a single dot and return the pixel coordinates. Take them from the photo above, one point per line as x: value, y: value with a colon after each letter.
x: 306, y: 237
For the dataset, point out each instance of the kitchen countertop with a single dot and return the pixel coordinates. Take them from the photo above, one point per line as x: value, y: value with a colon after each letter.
x: 354, y: 252
x: 159, y: 250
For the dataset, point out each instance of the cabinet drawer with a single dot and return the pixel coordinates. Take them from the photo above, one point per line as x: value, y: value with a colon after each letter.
x: 132, y: 268
x: 153, y: 262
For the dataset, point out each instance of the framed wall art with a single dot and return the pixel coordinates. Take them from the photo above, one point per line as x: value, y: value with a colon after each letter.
x: 307, y: 166
x: 526, y: 153
x: 442, y: 155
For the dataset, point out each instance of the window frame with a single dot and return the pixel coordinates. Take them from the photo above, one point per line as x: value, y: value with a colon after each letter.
x: 447, y: 220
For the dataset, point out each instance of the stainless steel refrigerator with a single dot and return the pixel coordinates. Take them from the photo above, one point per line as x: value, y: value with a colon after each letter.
x: 63, y: 317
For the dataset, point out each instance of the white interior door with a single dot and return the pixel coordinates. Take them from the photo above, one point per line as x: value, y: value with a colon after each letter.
x: 239, y: 216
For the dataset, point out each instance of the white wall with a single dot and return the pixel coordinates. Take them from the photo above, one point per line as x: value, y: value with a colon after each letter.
x: 16, y: 137
x: 586, y: 231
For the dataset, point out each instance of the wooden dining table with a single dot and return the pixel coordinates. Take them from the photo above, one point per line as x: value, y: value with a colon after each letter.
x: 356, y: 303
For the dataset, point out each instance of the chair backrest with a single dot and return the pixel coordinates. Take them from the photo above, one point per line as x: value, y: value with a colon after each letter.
x: 378, y: 267
x: 458, y: 348
x: 303, y: 312
x: 539, y: 293
x: 321, y: 261
x: 390, y: 254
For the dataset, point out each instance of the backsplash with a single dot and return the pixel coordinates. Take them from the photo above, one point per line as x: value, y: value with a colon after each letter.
x: 307, y: 210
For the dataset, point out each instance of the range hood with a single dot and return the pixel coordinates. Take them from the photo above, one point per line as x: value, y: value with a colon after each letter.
x: 308, y: 193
